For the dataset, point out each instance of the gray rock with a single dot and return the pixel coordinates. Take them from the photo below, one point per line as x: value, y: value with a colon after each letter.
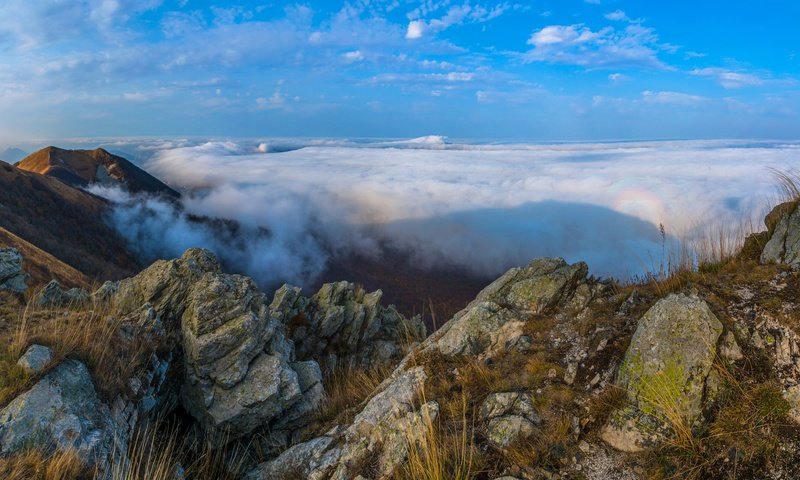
x: 299, y: 461
x: 509, y: 416
x: 35, y: 358
x: 784, y: 245
x: 52, y: 295
x: 106, y: 291
x: 12, y: 277
x: 239, y: 367
x: 670, y: 357
x: 341, y: 325
x: 62, y: 412
x: 495, y: 319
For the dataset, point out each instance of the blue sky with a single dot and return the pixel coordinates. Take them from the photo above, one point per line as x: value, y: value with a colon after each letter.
x: 485, y: 70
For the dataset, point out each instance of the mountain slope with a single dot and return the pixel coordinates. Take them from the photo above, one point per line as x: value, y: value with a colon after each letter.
x: 41, y: 266
x: 63, y: 221
x: 82, y: 167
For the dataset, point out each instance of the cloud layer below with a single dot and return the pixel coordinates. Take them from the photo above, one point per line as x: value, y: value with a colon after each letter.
x: 486, y: 207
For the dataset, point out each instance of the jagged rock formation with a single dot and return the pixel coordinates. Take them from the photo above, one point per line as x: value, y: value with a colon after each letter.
x: 52, y: 295
x: 240, y: 372
x: 79, y: 168
x: 665, y: 371
x: 12, y: 277
x: 784, y: 227
x: 492, y: 322
x: 342, y: 325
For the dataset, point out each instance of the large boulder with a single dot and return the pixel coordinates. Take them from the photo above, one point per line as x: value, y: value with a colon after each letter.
x: 12, y: 277
x: 62, y: 412
x: 664, y: 372
x: 341, y: 325
x: 240, y: 372
x: 784, y: 242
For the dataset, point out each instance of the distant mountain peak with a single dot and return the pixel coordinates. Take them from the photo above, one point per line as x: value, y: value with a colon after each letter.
x: 80, y: 168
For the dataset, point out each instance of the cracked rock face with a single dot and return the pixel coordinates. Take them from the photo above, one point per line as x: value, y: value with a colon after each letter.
x: 664, y: 371
x: 12, y: 277
x: 341, y: 325
x: 240, y: 373
x: 784, y: 244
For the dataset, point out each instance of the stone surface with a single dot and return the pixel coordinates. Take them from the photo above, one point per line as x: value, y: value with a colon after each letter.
x: 239, y: 369
x: 510, y: 416
x: 52, y: 295
x: 494, y: 320
x: 61, y: 412
x: 784, y: 244
x: 35, y: 358
x: 670, y: 356
x: 12, y: 277
x: 341, y: 325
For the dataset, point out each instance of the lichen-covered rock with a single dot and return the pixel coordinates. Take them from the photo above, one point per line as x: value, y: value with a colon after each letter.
x: 509, y: 416
x: 12, y: 277
x: 62, y: 412
x: 494, y: 320
x: 240, y: 373
x: 341, y: 325
x: 784, y: 244
x: 35, y: 358
x: 664, y: 372
x: 52, y: 295
x: 106, y: 291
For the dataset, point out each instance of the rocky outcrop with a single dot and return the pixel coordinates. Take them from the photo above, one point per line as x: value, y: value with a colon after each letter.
x: 341, y: 325
x: 52, y: 295
x: 395, y: 417
x: 494, y: 320
x: 664, y: 372
x: 12, y: 277
x: 509, y: 417
x: 62, y: 412
x: 240, y: 374
x: 784, y: 243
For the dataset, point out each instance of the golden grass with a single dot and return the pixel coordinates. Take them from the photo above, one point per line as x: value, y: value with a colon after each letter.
x: 443, y: 451
x: 35, y: 465
x: 345, y: 389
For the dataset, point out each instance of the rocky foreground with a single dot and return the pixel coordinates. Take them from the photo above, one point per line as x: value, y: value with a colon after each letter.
x: 547, y: 373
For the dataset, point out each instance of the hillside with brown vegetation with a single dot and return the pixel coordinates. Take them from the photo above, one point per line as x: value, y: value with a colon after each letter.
x: 83, y: 167
x: 63, y: 221
x: 42, y: 266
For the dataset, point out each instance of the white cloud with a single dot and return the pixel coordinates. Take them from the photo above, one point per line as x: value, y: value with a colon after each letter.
x: 485, y: 207
x: 353, y: 56
x: 577, y: 44
x: 455, y: 15
x: 673, y: 98
x: 415, y: 29
x: 617, y: 77
x: 730, y: 79
x: 619, y: 16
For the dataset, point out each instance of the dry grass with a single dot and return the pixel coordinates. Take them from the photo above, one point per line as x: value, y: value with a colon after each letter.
x: 35, y: 465
x: 345, y: 389
x: 443, y: 451
x: 88, y: 332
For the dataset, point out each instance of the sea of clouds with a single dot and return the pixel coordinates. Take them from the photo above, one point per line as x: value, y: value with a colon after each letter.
x: 486, y: 207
